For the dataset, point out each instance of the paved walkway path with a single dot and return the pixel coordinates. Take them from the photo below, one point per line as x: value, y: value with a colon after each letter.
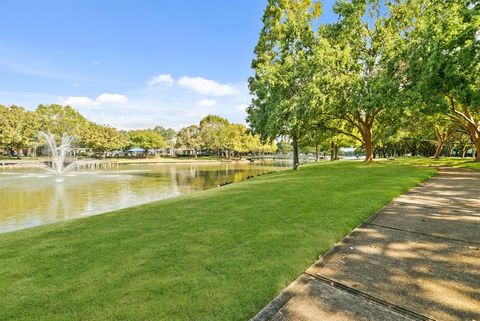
x: 418, y: 258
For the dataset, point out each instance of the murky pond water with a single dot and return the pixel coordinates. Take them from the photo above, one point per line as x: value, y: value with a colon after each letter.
x: 31, y: 197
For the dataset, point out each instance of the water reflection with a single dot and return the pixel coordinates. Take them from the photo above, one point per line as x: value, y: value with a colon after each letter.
x: 31, y: 197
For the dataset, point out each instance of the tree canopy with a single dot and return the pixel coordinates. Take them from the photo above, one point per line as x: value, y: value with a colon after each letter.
x: 361, y: 76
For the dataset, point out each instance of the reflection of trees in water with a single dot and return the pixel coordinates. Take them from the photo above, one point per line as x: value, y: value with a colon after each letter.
x: 195, y: 178
x: 38, y: 200
x: 51, y: 201
x: 25, y: 207
x: 47, y: 202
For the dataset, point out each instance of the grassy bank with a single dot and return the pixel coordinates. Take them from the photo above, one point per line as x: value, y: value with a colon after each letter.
x: 220, y: 254
x: 442, y: 162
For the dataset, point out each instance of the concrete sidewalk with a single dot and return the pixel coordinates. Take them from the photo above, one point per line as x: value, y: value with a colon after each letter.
x: 418, y: 258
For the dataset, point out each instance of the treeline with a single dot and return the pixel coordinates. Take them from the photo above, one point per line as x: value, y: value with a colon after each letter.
x: 216, y: 134
x: 19, y: 136
x: 390, y: 77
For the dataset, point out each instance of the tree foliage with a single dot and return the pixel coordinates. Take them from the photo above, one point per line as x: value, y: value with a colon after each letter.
x: 361, y: 76
x: 147, y: 139
x: 190, y: 138
x: 282, y: 86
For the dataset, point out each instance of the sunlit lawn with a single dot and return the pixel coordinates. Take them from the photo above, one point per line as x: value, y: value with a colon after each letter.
x: 220, y: 254
x: 442, y: 161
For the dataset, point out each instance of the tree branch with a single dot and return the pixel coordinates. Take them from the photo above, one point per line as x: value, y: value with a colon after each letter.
x: 464, y: 116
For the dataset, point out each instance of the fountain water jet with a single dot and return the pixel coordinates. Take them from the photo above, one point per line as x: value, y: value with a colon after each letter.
x: 58, y: 152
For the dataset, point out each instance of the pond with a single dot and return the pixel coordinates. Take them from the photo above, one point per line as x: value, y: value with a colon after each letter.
x: 32, y: 197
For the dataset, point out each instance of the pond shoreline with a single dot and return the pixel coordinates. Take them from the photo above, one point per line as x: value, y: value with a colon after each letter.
x: 125, y: 161
x: 33, y: 197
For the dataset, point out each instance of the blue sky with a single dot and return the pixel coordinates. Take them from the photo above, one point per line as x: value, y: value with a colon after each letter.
x: 131, y: 64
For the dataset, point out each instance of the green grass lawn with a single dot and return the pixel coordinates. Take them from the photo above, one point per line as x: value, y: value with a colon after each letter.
x: 442, y: 161
x: 220, y: 254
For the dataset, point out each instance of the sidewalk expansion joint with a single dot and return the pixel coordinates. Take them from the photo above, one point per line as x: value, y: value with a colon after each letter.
x: 340, y: 286
x: 424, y: 234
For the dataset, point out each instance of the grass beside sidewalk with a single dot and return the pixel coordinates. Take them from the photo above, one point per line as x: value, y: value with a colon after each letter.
x: 220, y: 254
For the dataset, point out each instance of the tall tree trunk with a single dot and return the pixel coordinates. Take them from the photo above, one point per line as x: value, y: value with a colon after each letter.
x: 477, y: 149
x: 337, y: 149
x: 469, y: 123
x: 441, y: 138
x: 317, y: 153
x: 438, y: 149
x: 332, y: 151
x: 296, y: 162
x: 474, y: 133
x: 368, y: 142
x: 475, y: 136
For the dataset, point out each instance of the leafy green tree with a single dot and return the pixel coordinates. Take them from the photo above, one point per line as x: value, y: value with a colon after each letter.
x: 147, y: 139
x: 442, y: 61
x: 282, y: 86
x: 233, y: 136
x: 169, y: 136
x: 253, y: 144
x: 102, y: 138
x: 314, y: 138
x: 368, y: 97
x: 18, y: 129
x: 190, y: 138
x: 284, y: 146
x: 269, y: 147
x: 58, y: 119
x: 238, y: 136
x: 215, y: 133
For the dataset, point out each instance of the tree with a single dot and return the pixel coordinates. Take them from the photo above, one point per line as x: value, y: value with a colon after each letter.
x: 103, y: 138
x: 169, y: 136
x: 315, y: 138
x: 147, y: 139
x: 18, y: 129
x: 442, y: 61
x: 238, y: 139
x: 282, y: 86
x: 190, y: 138
x: 58, y: 119
x: 368, y: 36
x: 214, y: 131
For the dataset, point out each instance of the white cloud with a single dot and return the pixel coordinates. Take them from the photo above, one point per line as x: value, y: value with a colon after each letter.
x: 111, y: 99
x: 207, y: 87
x: 102, y: 99
x: 78, y: 101
x: 75, y: 84
x: 206, y: 103
x: 144, y: 107
x: 163, y: 79
x: 95, y: 63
